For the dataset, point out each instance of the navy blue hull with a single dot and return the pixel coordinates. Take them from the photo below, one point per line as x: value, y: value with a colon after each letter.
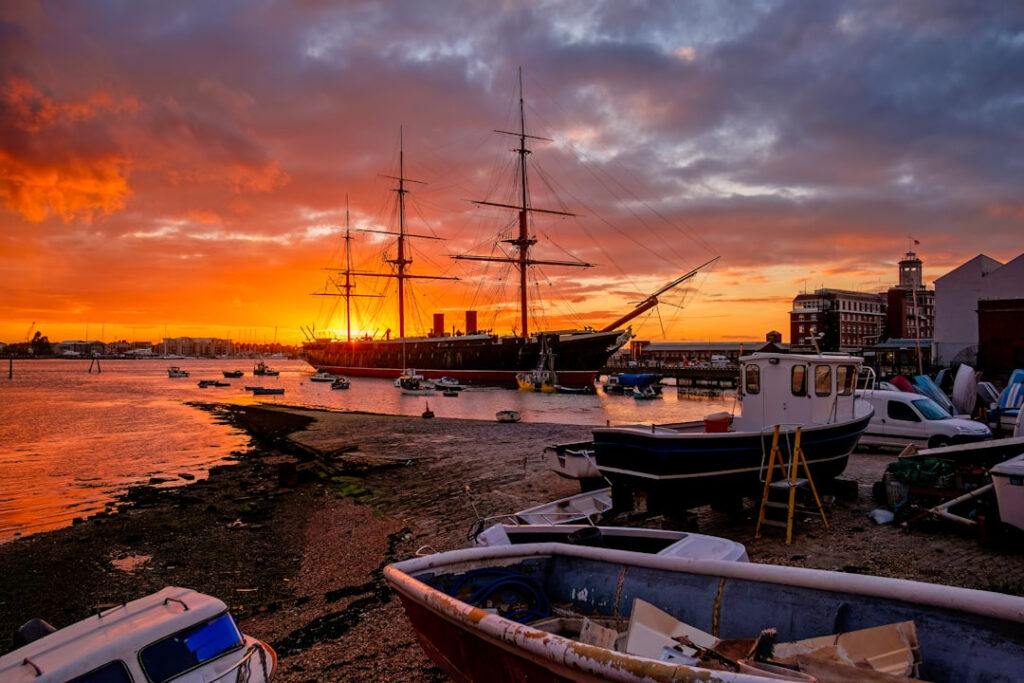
x: 686, y: 470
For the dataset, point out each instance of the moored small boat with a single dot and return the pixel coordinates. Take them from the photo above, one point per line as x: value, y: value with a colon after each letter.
x: 544, y: 600
x: 266, y: 391
x: 175, y: 371
x: 321, y: 376
x: 508, y: 416
x: 175, y: 633
x: 232, y: 374
x: 340, y: 383
x: 263, y: 369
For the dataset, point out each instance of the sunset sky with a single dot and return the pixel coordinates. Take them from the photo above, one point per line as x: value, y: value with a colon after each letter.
x: 182, y: 167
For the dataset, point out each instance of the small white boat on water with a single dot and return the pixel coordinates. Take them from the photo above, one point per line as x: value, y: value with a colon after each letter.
x: 175, y: 371
x: 414, y: 384
x: 554, y: 611
x: 175, y: 634
x: 322, y: 376
x: 449, y: 384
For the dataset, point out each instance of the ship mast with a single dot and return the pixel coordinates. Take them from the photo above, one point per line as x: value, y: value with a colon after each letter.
x: 524, y: 240
x: 401, y: 261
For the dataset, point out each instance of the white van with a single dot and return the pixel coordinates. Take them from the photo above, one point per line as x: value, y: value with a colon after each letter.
x: 902, y: 418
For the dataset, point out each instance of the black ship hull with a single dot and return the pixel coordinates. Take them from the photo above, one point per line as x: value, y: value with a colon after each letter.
x: 484, y: 359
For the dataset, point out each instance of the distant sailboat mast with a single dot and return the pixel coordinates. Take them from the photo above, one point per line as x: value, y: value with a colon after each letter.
x: 523, y: 241
x: 349, y: 285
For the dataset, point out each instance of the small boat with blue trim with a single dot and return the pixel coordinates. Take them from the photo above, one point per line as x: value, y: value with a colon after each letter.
x: 174, y: 634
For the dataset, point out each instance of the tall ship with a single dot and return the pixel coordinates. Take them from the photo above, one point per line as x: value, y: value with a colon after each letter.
x: 474, y: 356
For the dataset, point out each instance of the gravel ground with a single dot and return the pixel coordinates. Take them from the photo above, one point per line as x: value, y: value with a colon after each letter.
x: 293, y: 537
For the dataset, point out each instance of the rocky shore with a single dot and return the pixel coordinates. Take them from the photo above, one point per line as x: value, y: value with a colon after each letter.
x: 294, y: 535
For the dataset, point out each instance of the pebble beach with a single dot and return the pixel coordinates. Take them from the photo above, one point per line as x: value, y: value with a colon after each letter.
x: 294, y: 536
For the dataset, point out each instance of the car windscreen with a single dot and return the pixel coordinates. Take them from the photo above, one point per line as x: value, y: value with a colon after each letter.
x: 930, y: 409
x: 188, y: 649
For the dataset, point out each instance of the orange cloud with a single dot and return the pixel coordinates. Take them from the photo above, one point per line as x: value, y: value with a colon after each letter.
x: 32, y: 111
x: 1014, y: 211
x: 39, y: 176
x: 77, y: 189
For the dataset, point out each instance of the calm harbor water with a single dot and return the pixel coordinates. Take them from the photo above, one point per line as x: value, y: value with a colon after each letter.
x: 71, y: 441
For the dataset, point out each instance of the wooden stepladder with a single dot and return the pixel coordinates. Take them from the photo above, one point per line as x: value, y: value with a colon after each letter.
x: 789, y: 483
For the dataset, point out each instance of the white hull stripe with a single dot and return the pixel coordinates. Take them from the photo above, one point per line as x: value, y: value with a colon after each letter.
x: 713, y: 473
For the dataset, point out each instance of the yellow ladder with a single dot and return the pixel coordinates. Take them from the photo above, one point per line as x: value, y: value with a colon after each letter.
x: 788, y: 482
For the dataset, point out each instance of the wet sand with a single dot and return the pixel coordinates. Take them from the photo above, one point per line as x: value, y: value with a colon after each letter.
x: 294, y: 536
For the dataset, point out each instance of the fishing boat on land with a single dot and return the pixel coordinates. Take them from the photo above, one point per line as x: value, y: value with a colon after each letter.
x: 476, y: 356
x: 175, y: 633
x: 267, y: 391
x: 665, y: 619
x: 724, y: 457
x: 175, y: 371
x: 232, y: 374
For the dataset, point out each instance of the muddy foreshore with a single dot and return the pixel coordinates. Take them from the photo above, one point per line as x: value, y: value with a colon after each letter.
x: 293, y: 536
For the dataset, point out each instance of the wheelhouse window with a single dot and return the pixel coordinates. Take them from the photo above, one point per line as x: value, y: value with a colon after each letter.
x: 822, y: 380
x: 799, y: 383
x: 114, y: 672
x: 752, y: 384
x: 846, y: 379
x: 187, y: 649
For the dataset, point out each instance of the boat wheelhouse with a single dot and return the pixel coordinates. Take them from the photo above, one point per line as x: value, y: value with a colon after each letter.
x: 724, y: 457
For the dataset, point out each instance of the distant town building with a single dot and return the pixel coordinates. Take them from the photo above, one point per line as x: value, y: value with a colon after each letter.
x: 910, y: 305
x: 79, y: 348
x: 841, y: 320
x: 957, y: 297
x: 127, y: 348
x: 196, y: 346
x: 848, y: 321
